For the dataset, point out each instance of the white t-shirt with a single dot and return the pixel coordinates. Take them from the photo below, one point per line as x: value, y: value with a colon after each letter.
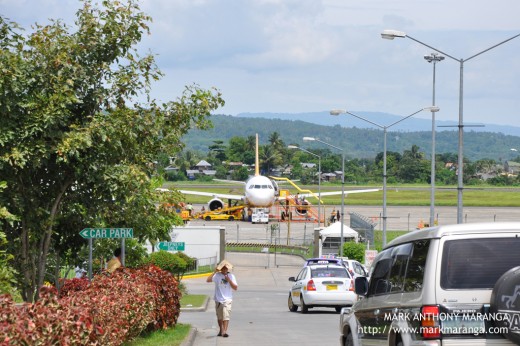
x: 223, y: 290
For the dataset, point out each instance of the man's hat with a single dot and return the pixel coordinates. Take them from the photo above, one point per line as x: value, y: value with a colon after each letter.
x: 223, y: 264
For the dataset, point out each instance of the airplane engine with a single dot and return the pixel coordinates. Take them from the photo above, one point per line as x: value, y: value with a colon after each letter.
x: 215, y: 204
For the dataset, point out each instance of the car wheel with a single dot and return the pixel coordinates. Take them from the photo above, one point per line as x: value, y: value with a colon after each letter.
x: 349, y: 340
x: 208, y: 218
x: 292, y: 307
x: 305, y: 307
x: 231, y: 218
x: 504, y: 301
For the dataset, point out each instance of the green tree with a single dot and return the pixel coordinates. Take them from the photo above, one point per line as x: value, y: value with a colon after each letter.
x: 269, y: 158
x: 77, y: 145
x: 219, y: 150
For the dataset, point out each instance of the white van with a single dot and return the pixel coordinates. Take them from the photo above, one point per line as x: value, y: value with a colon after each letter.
x: 447, y: 285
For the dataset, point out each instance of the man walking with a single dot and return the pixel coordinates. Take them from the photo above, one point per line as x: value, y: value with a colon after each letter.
x: 225, y: 284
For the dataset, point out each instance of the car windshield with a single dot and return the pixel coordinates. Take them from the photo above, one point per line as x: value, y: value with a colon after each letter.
x: 478, y: 263
x: 329, y: 272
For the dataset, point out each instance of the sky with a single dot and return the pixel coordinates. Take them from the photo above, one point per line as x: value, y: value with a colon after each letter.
x: 297, y: 56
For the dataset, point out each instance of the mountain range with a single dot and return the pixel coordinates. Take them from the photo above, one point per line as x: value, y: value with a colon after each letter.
x: 358, y: 138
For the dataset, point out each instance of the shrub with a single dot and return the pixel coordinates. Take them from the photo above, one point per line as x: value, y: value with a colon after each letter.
x: 109, y: 311
x: 176, y: 263
x: 73, y: 285
x: 355, y: 251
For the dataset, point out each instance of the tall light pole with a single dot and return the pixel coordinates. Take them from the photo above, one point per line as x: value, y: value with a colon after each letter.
x: 390, y: 35
x: 385, y: 128
x: 433, y: 58
x: 319, y: 178
x: 342, y: 186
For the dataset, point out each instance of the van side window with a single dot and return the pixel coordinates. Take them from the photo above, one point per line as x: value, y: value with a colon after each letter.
x: 400, y: 256
x: 400, y: 269
x: 379, y: 279
x: 416, y: 266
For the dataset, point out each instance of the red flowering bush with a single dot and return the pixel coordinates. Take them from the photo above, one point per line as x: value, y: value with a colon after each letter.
x: 110, y: 310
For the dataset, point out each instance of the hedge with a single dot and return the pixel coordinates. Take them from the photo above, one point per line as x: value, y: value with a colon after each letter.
x: 110, y: 310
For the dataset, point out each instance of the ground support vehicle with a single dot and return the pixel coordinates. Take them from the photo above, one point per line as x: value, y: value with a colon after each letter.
x: 328, y: 285
x: 447, y: 285
x: 230, y: 214
x: 260, y: 215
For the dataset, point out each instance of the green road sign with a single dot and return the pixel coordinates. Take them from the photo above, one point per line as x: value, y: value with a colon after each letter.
x: 171, y: 246
x: 89, y: 233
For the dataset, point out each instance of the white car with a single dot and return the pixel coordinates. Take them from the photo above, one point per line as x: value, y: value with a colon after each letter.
x: 322, y: 286
x: 355, y: 268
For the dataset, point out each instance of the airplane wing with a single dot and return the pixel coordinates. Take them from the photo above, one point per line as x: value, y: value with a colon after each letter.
x: 230, y: 181
x: 333, y: 193
x: 207, y: 194
x: 213, y: 194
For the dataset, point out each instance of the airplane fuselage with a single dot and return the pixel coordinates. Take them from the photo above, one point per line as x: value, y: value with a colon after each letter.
x: 259, y: 192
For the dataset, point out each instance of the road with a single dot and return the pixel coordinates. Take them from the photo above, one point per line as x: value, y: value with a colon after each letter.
x: 260, y: 315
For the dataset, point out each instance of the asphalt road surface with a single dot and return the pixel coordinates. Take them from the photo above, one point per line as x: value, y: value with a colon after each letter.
x: 260, y: 315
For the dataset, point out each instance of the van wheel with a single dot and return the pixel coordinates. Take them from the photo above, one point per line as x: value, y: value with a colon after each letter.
x: 231, y: 218
x: 292, y: 307
x: 503, y: 301
x: 305, y: 307
x: 349, y: 341
x: 208, y: 218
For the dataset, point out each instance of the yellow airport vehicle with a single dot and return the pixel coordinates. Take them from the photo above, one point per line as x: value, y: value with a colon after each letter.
x: 229, y: 214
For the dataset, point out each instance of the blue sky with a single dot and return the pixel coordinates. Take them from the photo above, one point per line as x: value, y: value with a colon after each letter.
x: 292, y: 56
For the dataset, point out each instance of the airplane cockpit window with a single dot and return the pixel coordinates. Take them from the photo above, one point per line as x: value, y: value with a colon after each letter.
x: 251, y: 187
x: 270, y: 186
x: 264, y: 186
x: 257, y: 187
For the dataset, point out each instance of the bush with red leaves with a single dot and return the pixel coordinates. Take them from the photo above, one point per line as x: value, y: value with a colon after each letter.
x: 112, y: 309
x: 73, y: 285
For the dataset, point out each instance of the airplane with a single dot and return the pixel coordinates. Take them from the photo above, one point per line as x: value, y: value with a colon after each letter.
x: 259, y: 191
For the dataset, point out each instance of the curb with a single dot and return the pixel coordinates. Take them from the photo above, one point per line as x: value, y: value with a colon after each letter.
x: 194, y: 276
x: 190, y: 339
x: 197, y: 309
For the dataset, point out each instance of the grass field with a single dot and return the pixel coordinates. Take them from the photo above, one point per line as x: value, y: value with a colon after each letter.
x: 401, y: 195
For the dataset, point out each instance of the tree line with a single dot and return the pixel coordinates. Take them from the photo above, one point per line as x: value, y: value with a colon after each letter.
x: 410, y: 166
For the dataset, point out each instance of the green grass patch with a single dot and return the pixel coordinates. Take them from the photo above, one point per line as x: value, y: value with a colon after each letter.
x: 397, y: 195
x: 193, y: 300
x: 169, y: 337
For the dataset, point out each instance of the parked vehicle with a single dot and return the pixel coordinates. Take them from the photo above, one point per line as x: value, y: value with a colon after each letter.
x: 355, y: 268
x: 323, y: 285
x: 448, y: 285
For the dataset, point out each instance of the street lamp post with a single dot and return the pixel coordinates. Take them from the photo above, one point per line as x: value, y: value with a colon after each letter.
x: 390, y: 35
x: 319, y: 178
x: 433, y: 58
x: 342, y: 186
x: 385, y: 128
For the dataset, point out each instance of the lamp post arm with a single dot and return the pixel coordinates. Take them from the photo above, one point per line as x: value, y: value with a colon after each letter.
x: 330, y: 145
x: 402, y: 119
x: 435, y: 49
x: 364, y: 119
x: 496, y: 45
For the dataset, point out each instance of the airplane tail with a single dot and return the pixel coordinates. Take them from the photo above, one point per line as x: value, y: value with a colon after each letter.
x: 257, y: 162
